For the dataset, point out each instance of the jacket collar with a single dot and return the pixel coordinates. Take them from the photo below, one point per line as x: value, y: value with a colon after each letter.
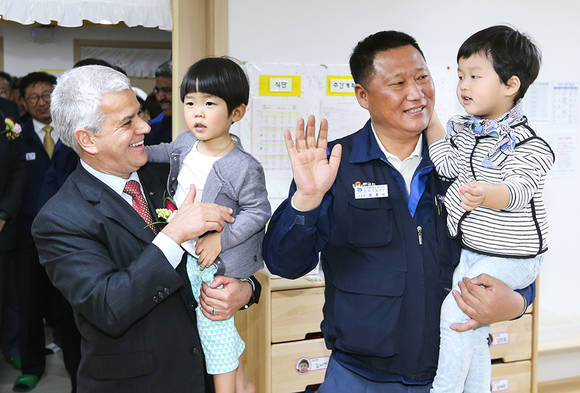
x: 112, y: 205
x: 365, y: 148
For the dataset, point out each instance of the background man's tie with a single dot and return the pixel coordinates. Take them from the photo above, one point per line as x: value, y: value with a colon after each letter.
x: 48, y: 142
x: 139, y: 203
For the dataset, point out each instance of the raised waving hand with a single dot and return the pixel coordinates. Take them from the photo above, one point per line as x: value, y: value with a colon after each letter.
x: 314, y: 172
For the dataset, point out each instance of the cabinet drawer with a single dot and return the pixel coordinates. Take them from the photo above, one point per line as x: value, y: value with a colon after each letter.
x: 511, y: 377
x: 285, y: 361
x: 512, y: 340
x: 296, y: 313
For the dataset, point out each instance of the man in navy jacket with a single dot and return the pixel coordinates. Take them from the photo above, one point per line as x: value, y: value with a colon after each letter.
x: 373, y: 210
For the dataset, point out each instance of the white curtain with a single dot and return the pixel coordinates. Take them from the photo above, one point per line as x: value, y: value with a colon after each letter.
x: 71, y: 13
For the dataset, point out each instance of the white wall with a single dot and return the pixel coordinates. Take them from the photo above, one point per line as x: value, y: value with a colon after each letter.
x: 54, y: 48
x: 325, y: 31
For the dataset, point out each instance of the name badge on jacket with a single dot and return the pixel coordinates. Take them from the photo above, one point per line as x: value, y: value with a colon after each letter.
x: 370, y: 190
x: 30, y: 156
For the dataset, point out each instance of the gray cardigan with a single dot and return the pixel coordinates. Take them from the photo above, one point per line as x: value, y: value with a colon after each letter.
x: 236, y: 181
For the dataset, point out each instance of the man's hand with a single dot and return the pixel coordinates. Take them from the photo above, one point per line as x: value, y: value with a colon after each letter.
x: 494, y: 302
x: 472, y: 195
x: 193, y: 219
x: 226, y: 300
x: 313, y: 172
x: 2, y: 222
x: 208, y: 247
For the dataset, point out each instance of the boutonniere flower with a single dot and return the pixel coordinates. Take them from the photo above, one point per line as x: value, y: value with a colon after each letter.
x: 12, y: 130
x: 165, y: 214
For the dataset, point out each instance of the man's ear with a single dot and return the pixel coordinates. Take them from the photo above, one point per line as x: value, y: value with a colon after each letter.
x: 512, y: 86
x: 87, y: 141
x: 238, y: 113
x: 362, y: 95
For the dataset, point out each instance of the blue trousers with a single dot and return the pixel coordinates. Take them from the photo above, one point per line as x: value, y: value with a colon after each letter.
x: 341, y: 380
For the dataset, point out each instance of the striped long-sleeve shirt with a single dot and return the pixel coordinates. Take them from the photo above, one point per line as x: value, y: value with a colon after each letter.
x: 519, y: 230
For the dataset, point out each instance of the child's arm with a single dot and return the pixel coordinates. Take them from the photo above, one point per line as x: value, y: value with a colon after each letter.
x: 208, y: 247
x: 158, y: 153
x: 475, y: 194
x: 435, y: 129
x: 443, y: 153
x: 254, y: 208
x: 162, y: 152
x: 524, y: 170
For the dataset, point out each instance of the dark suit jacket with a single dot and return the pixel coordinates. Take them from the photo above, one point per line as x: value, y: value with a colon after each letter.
x: 63, y: 162
x: 12, y: 185
x: 37, y: 163
x: 9, y: 109
x: 160, y: 131
x: 136, y: 314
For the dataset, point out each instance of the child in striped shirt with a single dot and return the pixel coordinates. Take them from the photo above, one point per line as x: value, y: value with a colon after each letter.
x: 497, y: 165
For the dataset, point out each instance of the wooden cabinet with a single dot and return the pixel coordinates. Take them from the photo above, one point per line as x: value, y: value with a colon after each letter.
x: 284, y: 328
x: 280, y: 331
x: 514, y: 353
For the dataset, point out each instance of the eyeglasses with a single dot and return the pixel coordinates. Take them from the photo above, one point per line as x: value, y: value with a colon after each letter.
x: 33, y: 100
x: 166, y: 90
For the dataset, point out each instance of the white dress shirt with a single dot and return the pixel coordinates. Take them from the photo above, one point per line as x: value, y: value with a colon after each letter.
x: 40, y: 132
x: 172, y: 251
x: 406, y: 167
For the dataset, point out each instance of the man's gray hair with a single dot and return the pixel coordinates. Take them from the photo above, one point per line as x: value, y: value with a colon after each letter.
x: 75, y: 102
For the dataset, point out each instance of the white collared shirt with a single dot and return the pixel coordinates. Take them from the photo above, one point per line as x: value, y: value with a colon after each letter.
x: 406, y: 167
x: 172, y: 251
x: 40, y: 132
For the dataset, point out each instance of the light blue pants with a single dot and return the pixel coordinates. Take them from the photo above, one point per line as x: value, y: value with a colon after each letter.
x: 221, y: 343
x: 464, y: 360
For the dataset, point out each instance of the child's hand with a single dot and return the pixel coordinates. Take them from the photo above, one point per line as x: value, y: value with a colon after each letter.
x: 472, y: 195
x: 208, y: 248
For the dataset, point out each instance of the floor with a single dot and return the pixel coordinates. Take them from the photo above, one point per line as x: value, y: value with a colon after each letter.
x: 571, y: 385
x: 55, y: 380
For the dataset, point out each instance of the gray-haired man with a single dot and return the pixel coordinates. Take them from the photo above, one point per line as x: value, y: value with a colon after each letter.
x: 121, y: 273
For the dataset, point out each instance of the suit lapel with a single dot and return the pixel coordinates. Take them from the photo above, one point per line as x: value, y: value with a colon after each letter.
x: 111, y: 205
x: 32, y: 141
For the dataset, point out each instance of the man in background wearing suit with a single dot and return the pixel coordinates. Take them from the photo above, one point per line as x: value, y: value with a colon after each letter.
x: 161, y: 125
x: 12, y: 183
x: 121, y: 272
x: 38, y: 297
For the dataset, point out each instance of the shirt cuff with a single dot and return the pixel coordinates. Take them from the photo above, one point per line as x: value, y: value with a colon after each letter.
x: 307, y: 218
x: 172, y: 251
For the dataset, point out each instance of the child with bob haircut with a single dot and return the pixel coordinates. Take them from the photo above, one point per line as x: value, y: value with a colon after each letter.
x: 215, y: 93
x: 498, y: 166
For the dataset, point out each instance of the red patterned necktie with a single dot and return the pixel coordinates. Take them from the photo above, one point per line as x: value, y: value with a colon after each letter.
x: 139, y: 203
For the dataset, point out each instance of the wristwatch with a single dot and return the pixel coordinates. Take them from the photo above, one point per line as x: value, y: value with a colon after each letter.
x: 256, y: 291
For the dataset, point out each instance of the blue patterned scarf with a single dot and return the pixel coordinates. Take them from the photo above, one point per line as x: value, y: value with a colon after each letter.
x: 500, y: 129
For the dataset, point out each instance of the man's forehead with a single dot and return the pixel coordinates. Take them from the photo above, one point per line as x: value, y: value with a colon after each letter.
x: 405, y: 57
x: 119, y: 104
x: 162, y: 80
x: 39, y: 86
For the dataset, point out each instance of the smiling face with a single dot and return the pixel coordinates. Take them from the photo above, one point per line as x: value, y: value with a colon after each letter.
x: 480, y: 89
x: 118, y: 149
x: 207, y: 117
x: 399, y: 94
x: 163, y: 93
x: 37, y: 99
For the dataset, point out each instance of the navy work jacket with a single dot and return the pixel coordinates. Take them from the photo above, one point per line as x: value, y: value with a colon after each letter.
x: 388, y: 262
